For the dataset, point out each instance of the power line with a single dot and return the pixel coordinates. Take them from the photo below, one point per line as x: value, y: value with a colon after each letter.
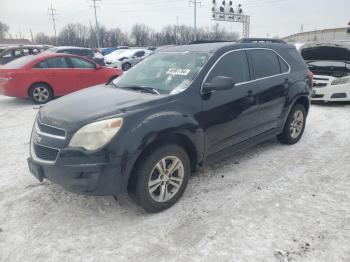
x: 53, y: 13
x: 195, y: 3
x: 96, y: 22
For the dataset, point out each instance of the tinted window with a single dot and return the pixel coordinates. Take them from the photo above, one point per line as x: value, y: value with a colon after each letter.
x: 283, y: 65
x: 57, y: 62
x: 140, y: 54
x: 234, y: 64
x: 80, y: 63
x: 85, y: 52
x: 265, y: 63
x: 8, y: 54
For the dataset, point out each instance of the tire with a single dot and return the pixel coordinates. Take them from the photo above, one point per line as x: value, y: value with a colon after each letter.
x: 150, y: 182
x: 126, y: 66
x: 40, y: 93
x: 294, y: 127
x: 111, y: 79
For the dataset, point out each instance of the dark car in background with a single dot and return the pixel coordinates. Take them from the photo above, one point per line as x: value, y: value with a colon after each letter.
x: 9, y: 53
x: 79, y: 51
x: 145, y: 132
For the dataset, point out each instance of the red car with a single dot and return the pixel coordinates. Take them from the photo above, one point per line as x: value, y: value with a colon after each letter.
x: 45, y: 76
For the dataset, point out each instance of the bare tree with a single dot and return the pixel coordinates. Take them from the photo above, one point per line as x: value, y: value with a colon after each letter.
x: 42, y: 38
x: 74, y: 34
x: 4, y: 30
x: 140, y: 33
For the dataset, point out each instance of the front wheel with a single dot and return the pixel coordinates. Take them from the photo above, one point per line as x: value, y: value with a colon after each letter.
x: 40, y: 93
x: 161, y: 178
x: 294, y: 127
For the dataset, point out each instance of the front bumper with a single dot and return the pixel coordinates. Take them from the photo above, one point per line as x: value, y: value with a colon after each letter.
x: 97, y: 173
x: 88, y: 179
x: 329, y: 94
x: 323, y: 90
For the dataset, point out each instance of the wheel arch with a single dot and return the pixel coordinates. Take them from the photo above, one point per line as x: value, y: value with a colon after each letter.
x: 179, y: 139
x: 41, y: 82
x: 303, y: 100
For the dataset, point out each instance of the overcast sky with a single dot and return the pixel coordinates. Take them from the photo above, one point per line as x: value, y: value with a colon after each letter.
x: 272, y: 17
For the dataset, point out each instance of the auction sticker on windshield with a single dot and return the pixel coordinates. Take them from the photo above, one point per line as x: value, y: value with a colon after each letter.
x: 178, y: 71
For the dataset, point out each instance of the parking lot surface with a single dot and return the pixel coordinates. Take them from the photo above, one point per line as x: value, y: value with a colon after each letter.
x: 269, y: 203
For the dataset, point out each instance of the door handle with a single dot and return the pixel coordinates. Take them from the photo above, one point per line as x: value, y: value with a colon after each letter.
x: 251, y: 93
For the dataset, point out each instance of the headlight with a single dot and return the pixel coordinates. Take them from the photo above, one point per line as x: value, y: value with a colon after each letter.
x: 341, y: 81
x: 96, y: 135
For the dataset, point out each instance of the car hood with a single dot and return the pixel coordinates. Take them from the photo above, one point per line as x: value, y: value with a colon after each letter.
x: 79, y: 108
x: 115, y: 57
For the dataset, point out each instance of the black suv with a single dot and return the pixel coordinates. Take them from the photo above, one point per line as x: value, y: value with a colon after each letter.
x: 145, y: 132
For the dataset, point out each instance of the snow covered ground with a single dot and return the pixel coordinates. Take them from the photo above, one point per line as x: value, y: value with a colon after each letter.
x: 269, y: 203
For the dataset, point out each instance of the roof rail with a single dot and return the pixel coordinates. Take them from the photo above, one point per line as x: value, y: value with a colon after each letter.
x: 209, y: 41
x: 259, y: 40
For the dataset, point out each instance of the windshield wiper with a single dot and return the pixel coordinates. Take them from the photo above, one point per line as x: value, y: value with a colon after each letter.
x: 147, y: 89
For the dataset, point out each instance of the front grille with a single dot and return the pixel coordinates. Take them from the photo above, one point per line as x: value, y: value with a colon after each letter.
x: 318, y: 85
x: 45, y: 153
x: 317, y: 96
x: 51, y: 130
x: 321, y: 78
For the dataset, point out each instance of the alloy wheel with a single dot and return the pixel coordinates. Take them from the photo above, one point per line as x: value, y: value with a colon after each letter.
x: 297, y: 124
x: 41, y: 94
x: 166, y: 179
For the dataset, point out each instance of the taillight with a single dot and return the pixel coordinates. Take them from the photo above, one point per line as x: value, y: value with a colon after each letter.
x: 310, y: 76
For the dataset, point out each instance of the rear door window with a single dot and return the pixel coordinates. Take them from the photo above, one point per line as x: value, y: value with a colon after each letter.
x: 234, y: 65
x: 81, y: 63
x: 56, y: 62
x: 265, y: 63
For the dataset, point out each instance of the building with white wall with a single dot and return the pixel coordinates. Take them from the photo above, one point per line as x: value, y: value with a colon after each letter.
x: 319, y: 35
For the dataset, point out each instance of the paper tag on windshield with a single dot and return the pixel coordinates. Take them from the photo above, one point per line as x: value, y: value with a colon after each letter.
x: 178, y: 71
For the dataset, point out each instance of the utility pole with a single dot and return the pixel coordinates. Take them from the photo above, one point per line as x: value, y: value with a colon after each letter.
x: 31, y: 35
x: 195, y: 3
x: 53, y: 13
x: 177, y: 30
x: 96, y: 22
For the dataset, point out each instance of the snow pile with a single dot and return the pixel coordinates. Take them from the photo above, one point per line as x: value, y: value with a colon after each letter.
x: 269, y: 203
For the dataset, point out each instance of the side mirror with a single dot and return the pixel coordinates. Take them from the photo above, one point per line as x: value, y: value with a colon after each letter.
x: 218, y: 83
x: 98, y: 67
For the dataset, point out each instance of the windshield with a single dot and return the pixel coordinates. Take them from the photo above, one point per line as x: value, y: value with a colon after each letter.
x: 167, y: 72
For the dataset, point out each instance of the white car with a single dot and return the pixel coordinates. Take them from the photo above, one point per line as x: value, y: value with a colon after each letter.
x: 330, y: 64
x: 126, y: 58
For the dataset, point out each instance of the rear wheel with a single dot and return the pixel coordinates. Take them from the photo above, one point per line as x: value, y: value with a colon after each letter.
x: 161, y: 178
x: 294, y: 127
x: 126, y: 66
x: 40, y: 93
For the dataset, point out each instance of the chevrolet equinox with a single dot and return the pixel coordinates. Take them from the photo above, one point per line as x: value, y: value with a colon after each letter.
x: 145, y: 132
